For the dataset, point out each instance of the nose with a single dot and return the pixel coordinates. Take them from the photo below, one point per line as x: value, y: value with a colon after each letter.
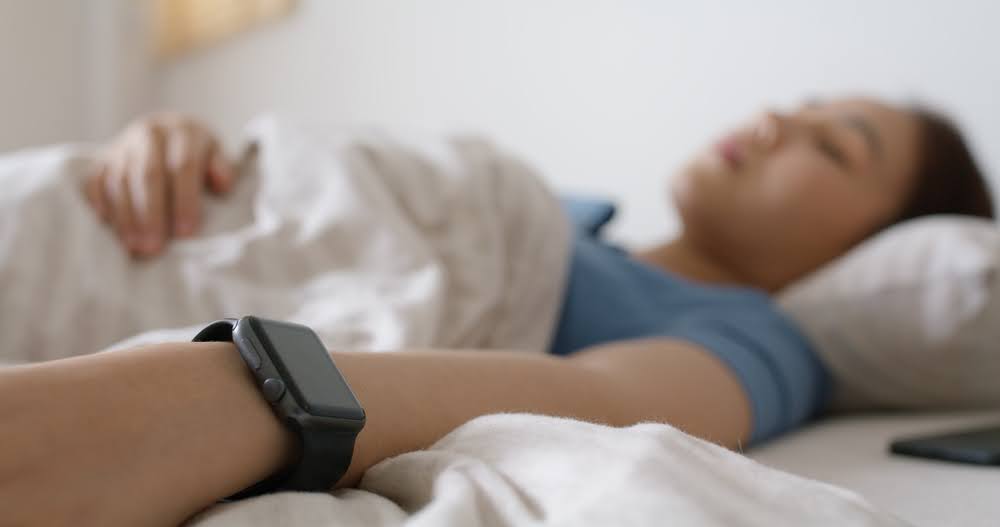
x: 768, y: 129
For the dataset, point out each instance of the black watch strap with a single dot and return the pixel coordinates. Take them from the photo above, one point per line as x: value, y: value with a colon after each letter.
x: 317, y: 468
x: 325, y: 452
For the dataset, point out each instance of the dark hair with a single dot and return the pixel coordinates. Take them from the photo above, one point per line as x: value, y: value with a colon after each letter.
x: 947, y: 181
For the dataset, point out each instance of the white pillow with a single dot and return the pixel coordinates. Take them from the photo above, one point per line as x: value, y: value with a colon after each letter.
x: 909, y: 319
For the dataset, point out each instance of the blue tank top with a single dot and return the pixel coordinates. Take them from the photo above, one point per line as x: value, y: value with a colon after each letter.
x: 611, y: 296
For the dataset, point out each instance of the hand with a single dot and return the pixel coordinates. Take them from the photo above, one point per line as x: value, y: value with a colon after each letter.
x: 149, y: 180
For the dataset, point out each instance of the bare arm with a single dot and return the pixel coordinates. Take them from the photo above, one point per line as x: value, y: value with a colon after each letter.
x: 415, y: 398
x: 162, y: 432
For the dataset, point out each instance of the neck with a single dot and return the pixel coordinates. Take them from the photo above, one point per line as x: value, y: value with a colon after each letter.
x: 683, y: 257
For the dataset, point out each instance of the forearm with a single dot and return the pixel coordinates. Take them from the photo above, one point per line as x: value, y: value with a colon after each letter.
x: 414, y: 398
x: 155, y: 433
x: 166, y: 430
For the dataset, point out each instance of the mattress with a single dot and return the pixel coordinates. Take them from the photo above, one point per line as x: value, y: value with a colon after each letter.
x: 852, y: 452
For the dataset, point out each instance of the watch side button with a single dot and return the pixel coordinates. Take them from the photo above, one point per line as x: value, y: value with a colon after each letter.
x: 249, y: 352
x: 273, y: 389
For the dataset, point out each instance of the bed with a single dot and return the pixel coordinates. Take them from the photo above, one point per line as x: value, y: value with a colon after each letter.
x: 474, y: 476
x: 852, y: 452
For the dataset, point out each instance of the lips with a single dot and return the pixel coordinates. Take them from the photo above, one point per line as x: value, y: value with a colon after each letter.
x: 729, y: 150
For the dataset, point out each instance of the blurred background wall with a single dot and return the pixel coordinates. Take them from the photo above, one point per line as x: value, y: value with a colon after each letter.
x: 40, y: 99
x: 71, y: 70
x: 604, y: 96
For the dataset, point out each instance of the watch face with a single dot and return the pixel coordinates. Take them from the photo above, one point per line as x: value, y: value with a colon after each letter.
x: 308, y: 370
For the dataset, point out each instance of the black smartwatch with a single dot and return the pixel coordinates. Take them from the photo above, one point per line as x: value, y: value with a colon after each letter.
x: 297, y: 377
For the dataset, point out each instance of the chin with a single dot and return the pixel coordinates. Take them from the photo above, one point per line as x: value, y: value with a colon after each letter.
x: 696, y: 183
x: 680, y: 190
x: 689, y: 204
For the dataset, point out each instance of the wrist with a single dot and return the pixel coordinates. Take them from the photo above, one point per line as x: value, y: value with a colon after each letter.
x: 165, y: 430
x: 221, y: 434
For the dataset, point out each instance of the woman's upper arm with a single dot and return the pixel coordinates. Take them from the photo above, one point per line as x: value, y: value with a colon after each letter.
x: 673, y: 381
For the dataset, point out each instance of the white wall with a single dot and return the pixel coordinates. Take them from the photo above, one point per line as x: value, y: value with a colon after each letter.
x: 118, y: 65
x: 71, y: 70
x: 40, y: 60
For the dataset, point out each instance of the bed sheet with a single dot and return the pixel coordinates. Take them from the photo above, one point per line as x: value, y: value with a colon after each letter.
x: 852, y: 452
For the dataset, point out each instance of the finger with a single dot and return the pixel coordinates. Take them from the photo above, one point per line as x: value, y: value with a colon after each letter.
x: 148, y: 193
x: 112, y: 190
x: 94, y: 190
x: 121, y: 208
x: 186, y: 176
x: 221, y: 174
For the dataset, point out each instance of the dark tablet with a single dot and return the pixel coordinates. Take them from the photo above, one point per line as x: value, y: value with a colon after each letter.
x: 980, y: 446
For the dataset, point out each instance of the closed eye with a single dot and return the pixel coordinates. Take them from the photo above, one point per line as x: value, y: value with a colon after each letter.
x: 832, y: 151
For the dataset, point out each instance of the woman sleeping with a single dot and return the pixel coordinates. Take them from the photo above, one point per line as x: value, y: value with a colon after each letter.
x: 683, y: 332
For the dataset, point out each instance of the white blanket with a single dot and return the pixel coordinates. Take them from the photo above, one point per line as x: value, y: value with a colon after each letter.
x: 380, y: 243
x: 515, y: 469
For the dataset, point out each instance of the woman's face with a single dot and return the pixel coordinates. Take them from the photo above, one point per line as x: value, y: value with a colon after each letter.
x: 802, y: 187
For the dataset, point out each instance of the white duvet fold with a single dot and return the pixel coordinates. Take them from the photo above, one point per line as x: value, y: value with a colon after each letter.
x: 378, y: 242
x: 518, y: 469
